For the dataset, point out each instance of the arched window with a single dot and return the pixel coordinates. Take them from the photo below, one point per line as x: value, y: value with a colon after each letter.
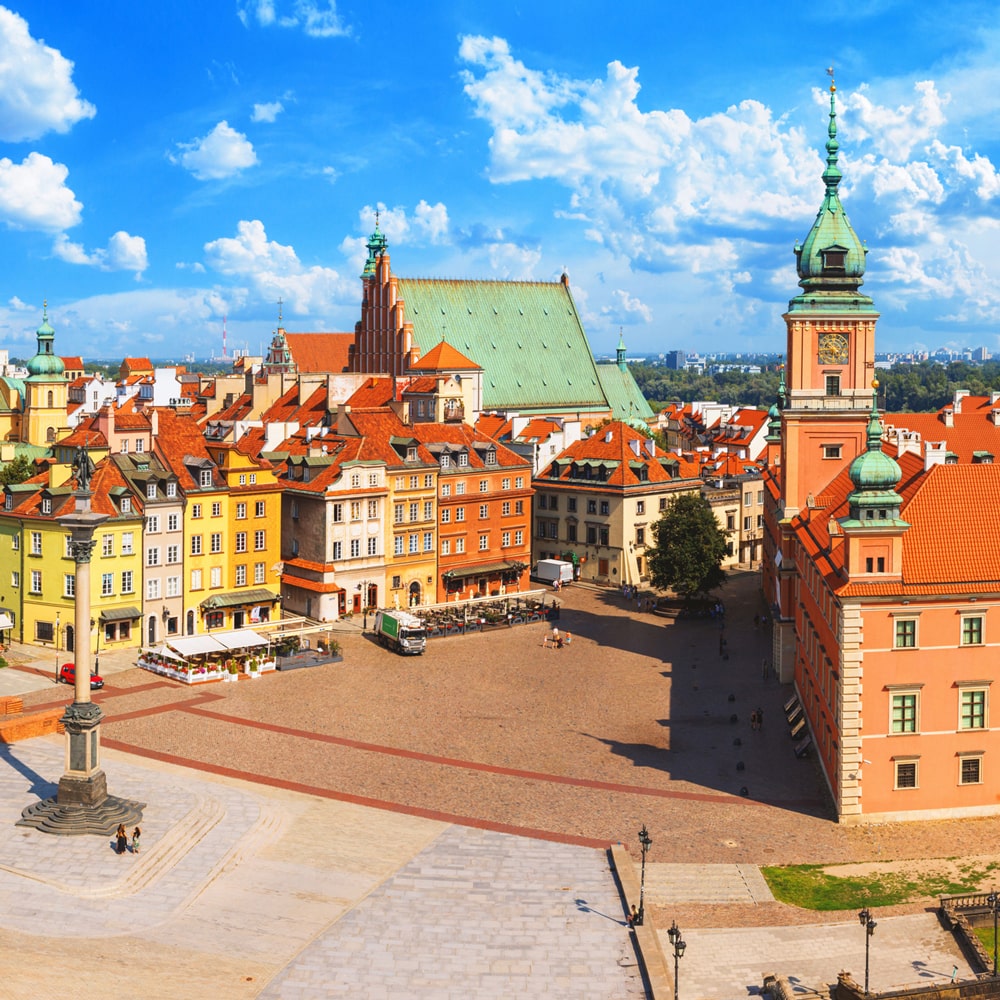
x: 49, y: 404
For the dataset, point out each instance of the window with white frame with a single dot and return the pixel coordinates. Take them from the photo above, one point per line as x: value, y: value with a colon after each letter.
x: 173, y: 522
x: 338, y: 551
x: 153, y: 523
x: 373, y: 546
x: 127, y: 543
x: 215, y: 577
x: 484, y: 511
x: 216, y: 541
x: 972, y: 630
x: 173, y: 553
x: 460, y: 488
x: 36, y: 543
x: 398, y: 545
x: 128, y: 587
x: 905, y: 708
x: 446, y: 515
x: 107, y: 545
x: 153, y: 555
x: 69, y: 585
x: 151, y: 490
x: 46, y: 505
x: 519, y: 483
x: 241, y: 576
x: 484, y: 486
x: 126, y: 505
x: 398, y: 513
x: 217, y: 509
x: 459, y: 545
x: 459, y: 513
x: 428, y: 510
x: 518, y: 537
x: 446, y: 489
x: 970, y: 769
x: 972, y: 708
x: 15, y: 578
x: 258, y: 572
x: 196, y: 583
x: 463, y: 459
x: 260, y: 540
x: 446, y: 546
x: 153, y: 588
x: 241, y: 541
x: 505, y: 539
x: 484, y: 543
x: 173, y: 586
x: 906, y: 772
x: 107, y: 584
x: 428, y: 541
x: 171, y: 490
x: 196, y: 545
x: 414, y: 543
x: 196, y: 510
x: 355, y: 548
x: 241, y: 511
x: 259, y: 508
x: 205, y: 477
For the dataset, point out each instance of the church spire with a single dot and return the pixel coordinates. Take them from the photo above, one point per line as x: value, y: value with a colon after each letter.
x: 831, y: 258
x: 376, y: 247
x: 620, y: 352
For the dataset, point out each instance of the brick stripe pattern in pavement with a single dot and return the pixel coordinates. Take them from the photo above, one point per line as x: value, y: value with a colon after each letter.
x: 731, y: 964
x: 478, y: 915
x: 237, y: 888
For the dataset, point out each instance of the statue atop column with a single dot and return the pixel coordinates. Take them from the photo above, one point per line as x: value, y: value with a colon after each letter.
x: 83, y: 468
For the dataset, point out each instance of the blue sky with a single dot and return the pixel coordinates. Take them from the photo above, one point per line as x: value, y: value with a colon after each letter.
x: 163, y: 165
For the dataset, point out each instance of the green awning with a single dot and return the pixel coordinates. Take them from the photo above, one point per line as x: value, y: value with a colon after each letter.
x: 120, y: 614
x: 237, y: 598
x: 485, y: 570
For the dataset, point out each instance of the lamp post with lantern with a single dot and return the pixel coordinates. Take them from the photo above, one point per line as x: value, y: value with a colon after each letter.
x: 865, y: 917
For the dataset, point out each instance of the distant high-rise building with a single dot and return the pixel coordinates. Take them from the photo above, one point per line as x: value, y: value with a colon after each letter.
x: 675, y: 359
x: 981, y: 354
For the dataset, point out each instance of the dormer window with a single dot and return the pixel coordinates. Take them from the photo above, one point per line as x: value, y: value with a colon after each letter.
x: 126, y: 505
x: 205, y: 479
x: 171, y: 490
x: 446, y: 461
x: 411, y: 454
x: 46, y: 505
x: 834, y: 259
x: 8, y: 501
x: 151, y: 491
x: 491, y: 456
x: 463, y: 459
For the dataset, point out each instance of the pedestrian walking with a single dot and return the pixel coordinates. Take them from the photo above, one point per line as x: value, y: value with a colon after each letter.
x: 763, y: 668
x: 121, y: 838
x: 136, y: 834
x: 753, y: 720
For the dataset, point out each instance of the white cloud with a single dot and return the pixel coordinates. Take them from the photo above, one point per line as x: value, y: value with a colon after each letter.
x: 640, y: 178
x: 627, y: 308
x: 893, y: 132
x: 34, y: 195
x: 37, y: 93
x: 274, y: 271
x: 18, y: 306
x: 123, y: 253
x: 267, y: 112
x: 315, y: 18
x: 222, y: 153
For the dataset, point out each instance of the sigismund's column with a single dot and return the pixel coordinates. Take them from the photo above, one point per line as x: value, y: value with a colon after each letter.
x: 82, y: 804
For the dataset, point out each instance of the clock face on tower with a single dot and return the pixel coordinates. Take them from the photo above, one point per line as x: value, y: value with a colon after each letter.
x: 833, y: 349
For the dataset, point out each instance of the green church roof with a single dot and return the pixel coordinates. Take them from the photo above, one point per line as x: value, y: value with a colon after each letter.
x: 526, y: 335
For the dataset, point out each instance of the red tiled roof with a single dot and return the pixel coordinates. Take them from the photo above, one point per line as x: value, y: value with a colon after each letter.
x: 493, y: 426
x: 972, y: 428
x: 72, y: 364
x: 375, y: 392
x: 538, y: 429
x: 320, y: 352
x: 442, y: 357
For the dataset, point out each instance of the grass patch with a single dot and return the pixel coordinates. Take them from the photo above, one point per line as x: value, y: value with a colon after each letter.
x: 811, y: 888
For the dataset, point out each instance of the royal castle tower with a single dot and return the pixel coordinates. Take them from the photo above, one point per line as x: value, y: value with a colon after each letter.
x: 45, y: 391
x: 831, y: 349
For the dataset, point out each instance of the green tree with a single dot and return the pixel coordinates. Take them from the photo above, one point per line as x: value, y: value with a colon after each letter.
x: 16, y: 471
x: 689, y: 548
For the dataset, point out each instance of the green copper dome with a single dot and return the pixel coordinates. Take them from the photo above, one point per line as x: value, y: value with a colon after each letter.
x: 376, y: 245
x: 831, y: 257
x: 875, y: 475
x: 45, y: 364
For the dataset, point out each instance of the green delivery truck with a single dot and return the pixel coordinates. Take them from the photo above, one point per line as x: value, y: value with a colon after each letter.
x: 401, y: 631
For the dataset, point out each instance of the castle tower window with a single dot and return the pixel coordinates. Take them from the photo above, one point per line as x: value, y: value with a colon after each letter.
x: 833, y: 385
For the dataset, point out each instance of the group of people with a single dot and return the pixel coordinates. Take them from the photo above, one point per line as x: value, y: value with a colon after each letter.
x: 121, y: 839
x: 557, y: 639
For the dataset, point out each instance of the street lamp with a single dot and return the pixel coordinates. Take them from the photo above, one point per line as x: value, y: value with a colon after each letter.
x: 57, y: 647
x: 363, y: 588
x: 644, y: 842
x: 678, y: 945
x: 865, y: 916
x: 993, y: 900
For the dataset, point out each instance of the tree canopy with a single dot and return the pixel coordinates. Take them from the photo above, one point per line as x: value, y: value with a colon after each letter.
x: 16, y: 471
x: 689, y: 547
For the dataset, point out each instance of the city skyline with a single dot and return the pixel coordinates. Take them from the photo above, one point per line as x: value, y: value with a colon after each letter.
x: 159, y: 172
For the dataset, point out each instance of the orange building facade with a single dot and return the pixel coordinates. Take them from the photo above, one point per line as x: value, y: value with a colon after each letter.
x: 879, y: 560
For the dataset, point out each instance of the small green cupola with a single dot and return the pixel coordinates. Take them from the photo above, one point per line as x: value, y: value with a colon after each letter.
x: 376, y: 247
x: 774, y: 413
x: 620, y: 352
x: 46, y: 364
x: 831, y: 257
x: 875, y: 476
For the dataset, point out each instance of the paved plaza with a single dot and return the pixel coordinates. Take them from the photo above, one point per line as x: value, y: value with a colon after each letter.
x: 437, y: 826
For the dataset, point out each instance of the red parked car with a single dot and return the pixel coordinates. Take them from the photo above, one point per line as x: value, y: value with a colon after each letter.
x: 67, y: 674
